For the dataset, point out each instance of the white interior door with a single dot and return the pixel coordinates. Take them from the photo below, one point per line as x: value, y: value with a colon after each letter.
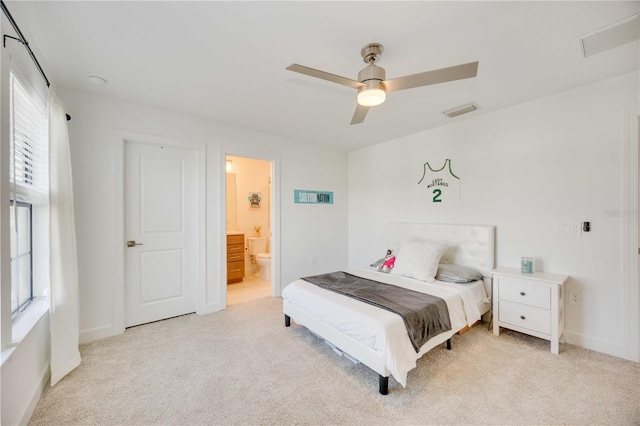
x: 161, y: 225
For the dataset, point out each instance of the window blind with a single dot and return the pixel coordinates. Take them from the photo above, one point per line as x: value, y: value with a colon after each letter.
x: 28, y: 133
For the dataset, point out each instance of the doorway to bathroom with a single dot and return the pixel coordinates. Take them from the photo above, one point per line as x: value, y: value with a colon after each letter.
x: 249, y: 226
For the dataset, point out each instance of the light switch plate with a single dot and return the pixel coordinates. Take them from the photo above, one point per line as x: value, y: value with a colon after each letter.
x: 568, y: 228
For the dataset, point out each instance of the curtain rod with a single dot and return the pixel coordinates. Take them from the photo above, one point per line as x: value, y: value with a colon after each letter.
x: 21, y: 39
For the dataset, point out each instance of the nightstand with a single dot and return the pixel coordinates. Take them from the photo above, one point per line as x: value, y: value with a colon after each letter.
x: 529, y: 303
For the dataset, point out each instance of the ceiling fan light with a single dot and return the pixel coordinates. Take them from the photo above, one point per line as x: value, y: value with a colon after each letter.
x: 371, y: 96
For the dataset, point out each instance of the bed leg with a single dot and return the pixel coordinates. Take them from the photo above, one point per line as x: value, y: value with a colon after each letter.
x: 449, y: 344
x: 287, y: 320
x: 384, y: 385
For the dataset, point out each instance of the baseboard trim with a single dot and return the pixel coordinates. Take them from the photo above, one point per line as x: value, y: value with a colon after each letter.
x: 212, y: 307
x: 96, y: 333
x: 105, y: 331
x: 604, y: 346
x: 35, y: 395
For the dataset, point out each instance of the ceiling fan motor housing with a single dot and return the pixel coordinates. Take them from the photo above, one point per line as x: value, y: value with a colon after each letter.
x: 373, y: 93
x: 372, y: 75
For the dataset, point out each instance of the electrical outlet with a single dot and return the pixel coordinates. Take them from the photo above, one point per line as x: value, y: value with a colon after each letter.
x: 312, y: 261
x: 574, y: 297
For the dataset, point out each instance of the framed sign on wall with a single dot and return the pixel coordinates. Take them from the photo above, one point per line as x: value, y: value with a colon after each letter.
x: 302, y: 196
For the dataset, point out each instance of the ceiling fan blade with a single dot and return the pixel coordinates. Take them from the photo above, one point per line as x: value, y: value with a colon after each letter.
x: 324, y: 75
x: 441, y: 75
x: 360, y: 114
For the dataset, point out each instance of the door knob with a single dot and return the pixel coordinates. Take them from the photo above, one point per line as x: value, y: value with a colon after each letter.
x: 133, y: 244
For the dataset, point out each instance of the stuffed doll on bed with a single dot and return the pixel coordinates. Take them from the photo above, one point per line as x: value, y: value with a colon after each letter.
x: 389, y: 261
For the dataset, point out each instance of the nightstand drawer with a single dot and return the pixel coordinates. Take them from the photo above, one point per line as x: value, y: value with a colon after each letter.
x: 525, y: 316
x: 525, y: 292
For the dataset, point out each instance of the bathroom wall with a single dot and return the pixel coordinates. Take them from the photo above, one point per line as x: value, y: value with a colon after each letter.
x: 232, y: 217
x: 252, y: 176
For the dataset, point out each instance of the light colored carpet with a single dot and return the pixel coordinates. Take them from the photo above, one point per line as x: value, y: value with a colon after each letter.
x: 242, y: 366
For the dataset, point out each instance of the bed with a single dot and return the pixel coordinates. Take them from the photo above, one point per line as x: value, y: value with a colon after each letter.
x: 378, y: 338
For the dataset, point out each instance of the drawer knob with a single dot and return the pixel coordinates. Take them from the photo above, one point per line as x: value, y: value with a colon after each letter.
x: 522, y: 317
x: 522, y: 293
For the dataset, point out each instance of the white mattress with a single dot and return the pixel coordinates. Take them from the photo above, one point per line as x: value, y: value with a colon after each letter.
x: 381, y: 330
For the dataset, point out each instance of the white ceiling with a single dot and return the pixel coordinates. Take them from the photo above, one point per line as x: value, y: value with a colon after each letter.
x: 225, y: 61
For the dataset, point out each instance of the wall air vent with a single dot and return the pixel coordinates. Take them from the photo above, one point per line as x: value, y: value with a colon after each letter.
x: 611, y: 36
x: 462, y: 109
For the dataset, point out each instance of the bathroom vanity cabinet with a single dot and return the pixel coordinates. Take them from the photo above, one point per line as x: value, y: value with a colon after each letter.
x: 235, y: 258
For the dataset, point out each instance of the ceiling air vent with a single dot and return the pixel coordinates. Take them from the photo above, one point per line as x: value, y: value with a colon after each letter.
x: 463, y: 109
x: 611, y: 36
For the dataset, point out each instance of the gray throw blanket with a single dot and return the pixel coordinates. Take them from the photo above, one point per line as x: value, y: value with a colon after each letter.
x: 424, y: 316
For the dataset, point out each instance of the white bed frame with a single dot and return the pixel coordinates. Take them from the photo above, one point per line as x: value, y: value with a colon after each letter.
x: 470, y: 245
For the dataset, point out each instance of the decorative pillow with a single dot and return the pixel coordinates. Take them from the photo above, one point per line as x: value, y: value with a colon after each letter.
x: 419, y: 260
x: 457, y: 273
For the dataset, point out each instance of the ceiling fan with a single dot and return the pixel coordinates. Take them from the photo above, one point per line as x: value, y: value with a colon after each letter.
x: 372, y: 86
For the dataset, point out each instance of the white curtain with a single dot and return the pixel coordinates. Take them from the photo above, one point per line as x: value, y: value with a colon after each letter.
x: 64, y: 309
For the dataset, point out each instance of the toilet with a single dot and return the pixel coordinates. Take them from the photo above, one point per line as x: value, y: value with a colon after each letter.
x: 259, y: 257
x: 264, y: 263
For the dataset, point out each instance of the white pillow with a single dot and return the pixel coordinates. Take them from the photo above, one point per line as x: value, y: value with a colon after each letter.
x: 419, y: 260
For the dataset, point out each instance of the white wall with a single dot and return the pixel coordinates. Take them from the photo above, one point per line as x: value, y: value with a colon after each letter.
x: 524, y: 168
x: 25, y: 373
x: 94, y: 128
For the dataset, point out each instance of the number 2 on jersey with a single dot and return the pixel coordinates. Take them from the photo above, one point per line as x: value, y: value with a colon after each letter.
x: 436, y: 196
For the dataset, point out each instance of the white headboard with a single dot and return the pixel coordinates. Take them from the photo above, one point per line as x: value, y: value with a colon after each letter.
x: 470, y: 245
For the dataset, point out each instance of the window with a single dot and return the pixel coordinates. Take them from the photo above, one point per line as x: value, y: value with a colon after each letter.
x: 28, y: 186
x: 21, y: 259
